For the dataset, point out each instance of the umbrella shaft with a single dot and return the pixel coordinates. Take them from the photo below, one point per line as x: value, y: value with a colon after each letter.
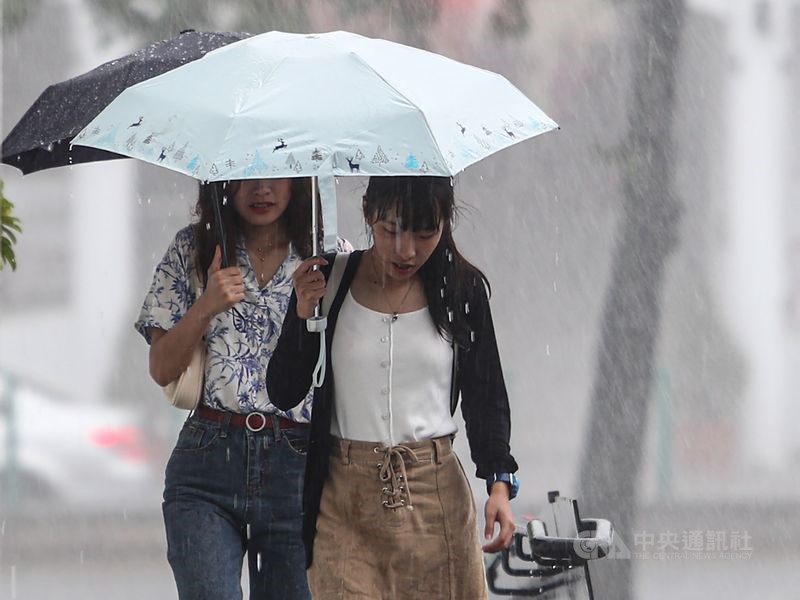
x: 314, y: 228
x: 218, y: 224
x: 314, y: 218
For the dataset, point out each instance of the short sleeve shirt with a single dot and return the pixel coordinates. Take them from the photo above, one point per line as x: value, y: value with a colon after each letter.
x: 239, y: 341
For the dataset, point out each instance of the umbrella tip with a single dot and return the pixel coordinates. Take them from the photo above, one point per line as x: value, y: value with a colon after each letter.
x: 186, y: 31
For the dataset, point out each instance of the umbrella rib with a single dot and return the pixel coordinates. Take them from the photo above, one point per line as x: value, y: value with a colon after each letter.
x: 229, y: 130
x: 419, y: 110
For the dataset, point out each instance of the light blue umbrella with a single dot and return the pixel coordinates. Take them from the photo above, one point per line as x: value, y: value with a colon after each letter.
x: 323, y: 105
x: 319, y: 105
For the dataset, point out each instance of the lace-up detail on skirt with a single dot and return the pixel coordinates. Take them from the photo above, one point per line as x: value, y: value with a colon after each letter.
x: 393, y: 475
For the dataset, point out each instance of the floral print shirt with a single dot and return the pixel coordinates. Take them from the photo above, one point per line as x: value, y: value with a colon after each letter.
x: 239, y: 341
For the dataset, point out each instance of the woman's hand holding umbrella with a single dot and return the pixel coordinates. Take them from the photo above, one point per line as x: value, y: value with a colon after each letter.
x: 225, y: 287
x: 309, y: 285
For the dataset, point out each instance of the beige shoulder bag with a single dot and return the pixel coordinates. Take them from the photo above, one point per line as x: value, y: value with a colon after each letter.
x: 186, y: 390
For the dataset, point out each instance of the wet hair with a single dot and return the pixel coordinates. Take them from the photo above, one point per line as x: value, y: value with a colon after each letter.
x: 449, y: 280
x: 295, y: 221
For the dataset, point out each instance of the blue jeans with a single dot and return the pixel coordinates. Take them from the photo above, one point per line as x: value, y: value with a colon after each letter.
x: 230, y: 491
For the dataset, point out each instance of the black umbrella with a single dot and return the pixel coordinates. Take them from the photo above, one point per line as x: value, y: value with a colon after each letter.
x: 42, y: 137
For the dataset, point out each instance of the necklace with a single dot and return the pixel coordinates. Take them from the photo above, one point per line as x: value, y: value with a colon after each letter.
x: 261, y: 255
x: 377, y: 281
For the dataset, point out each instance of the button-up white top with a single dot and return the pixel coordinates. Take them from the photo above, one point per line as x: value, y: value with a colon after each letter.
x: 392, y: 376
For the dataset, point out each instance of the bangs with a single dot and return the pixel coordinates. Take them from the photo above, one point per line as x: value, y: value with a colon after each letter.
x: 417, y: 203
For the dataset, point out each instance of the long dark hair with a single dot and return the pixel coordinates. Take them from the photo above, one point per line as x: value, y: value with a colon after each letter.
x: 449, y: 280
x: 295, y: 221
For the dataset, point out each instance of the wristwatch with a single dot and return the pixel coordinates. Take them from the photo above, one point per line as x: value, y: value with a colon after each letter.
x: 509, y: 478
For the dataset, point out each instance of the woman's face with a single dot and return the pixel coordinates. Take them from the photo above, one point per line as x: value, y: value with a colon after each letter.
x: 401, y: 252
x: 261, y: 202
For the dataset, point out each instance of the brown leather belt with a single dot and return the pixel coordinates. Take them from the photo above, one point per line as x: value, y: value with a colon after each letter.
x: 254, y: 421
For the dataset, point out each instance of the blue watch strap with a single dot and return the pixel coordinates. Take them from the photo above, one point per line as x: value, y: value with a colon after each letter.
x: 509, y: 478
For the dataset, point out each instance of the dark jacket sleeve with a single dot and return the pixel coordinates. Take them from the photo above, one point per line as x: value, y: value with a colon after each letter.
x: 292, y: 364
x: 484, y: 399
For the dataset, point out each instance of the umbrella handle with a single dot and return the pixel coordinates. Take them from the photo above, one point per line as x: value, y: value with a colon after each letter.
x: 216, y: 204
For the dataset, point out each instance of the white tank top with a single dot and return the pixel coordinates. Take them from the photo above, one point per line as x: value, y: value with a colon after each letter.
x: 392, y: 376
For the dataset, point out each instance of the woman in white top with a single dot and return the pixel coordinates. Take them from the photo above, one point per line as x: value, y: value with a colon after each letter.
x: 388, y: 509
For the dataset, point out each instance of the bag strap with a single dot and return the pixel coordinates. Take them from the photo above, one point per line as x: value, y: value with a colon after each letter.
x: 335, y: 278
x: 331, y: 291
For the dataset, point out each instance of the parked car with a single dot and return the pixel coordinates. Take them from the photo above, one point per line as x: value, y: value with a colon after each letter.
x: 71, y: 455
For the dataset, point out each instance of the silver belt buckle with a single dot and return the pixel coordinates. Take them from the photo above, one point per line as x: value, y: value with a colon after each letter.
x: 250, y: 425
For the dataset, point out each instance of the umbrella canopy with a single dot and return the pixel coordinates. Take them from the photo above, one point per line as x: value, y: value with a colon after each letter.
x: 41, y: 138
x: 293, y: 105
x: 288, y: 105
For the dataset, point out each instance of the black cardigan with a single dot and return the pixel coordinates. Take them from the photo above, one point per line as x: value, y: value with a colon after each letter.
x: 478, y: 378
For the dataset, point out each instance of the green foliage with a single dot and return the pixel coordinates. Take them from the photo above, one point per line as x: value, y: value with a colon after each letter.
x: 9, y: 224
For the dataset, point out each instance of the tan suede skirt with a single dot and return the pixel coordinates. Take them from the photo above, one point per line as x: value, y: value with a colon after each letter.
x: 397, y: 523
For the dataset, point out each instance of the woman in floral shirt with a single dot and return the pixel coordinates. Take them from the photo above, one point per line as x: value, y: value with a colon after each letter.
x: 234, y: 481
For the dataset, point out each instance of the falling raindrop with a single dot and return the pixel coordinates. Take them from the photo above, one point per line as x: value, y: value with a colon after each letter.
x: 557, y: 258
x: 547, y: 349
x: 471, y: 336
x: 441, y: 292
x: 50, y: 147
x: 444, y: 279
x: 208, y: 226
x: 248, y: 531
x: 258, y: 562
x: 227, y: 455
x: 235, y: 500
x: 481, y: 177
x: 466, y: 308
x: 555, y: 287
x: 449, y: 315
x: 224, y: 200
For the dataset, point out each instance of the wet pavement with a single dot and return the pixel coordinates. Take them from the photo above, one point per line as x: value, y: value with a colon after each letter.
x: 96, y: 579
x: 124, y: 559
